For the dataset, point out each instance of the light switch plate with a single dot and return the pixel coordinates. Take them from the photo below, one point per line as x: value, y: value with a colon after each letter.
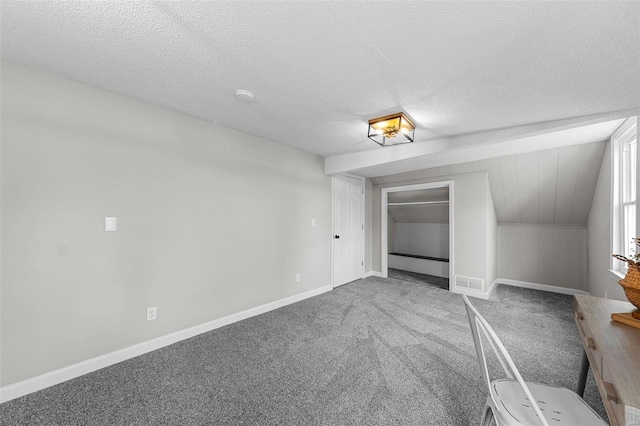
x: 313, y: 222
x: 110, y: 224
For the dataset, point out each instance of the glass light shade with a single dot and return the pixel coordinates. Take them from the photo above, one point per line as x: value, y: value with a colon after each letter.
x: 392, y: 129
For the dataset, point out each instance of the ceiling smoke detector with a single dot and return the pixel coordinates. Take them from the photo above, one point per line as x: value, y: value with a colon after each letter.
x: 244, y: 95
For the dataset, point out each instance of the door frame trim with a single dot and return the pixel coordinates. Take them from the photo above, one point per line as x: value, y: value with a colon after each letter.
x: 333, y: 207
x: 384, y: 226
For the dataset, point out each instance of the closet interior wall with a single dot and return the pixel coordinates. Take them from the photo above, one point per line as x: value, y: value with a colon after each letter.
x: 418, y: 231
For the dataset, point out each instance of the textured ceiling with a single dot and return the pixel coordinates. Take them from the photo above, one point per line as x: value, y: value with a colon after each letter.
x: 319, y: 70
x: 550, y: 187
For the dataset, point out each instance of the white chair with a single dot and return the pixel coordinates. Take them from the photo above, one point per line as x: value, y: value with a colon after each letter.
x: 514, y: 402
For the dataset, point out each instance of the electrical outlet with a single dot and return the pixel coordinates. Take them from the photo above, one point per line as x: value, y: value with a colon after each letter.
x: 297, y: 278
x: 152, y: 313
x: 605, y: 295
x: 313, y: 222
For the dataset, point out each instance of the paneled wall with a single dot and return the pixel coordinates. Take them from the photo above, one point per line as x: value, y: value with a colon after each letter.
x: 543, y: 255
x: 553, y: 186
x: 424, y: 239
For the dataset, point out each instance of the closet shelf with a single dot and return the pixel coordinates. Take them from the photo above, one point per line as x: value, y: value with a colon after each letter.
x: 416, y: 256
x: 417, y: 203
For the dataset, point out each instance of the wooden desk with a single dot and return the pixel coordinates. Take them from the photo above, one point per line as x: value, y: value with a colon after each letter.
x: 613, y: 351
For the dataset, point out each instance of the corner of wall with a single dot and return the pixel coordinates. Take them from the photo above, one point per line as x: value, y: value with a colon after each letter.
x: 492, y: 238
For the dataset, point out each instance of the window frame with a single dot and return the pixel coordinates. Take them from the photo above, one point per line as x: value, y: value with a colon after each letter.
x: 626, y: 133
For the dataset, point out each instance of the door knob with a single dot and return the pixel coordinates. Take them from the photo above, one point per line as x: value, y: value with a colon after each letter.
x: 336, y: 236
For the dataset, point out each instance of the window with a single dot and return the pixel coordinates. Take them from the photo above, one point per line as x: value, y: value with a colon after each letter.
x: 624, y: 155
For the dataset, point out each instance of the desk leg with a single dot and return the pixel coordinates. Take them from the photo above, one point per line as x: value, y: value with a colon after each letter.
x: 582, y: 377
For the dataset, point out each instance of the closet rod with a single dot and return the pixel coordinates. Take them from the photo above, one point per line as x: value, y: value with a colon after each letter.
x: 415, y: 203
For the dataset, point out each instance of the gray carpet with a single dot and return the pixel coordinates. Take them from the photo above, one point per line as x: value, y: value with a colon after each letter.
x: 415, y: 277
x: 373, y: 352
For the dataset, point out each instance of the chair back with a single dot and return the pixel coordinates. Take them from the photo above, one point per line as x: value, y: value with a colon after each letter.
x: 480, y: 325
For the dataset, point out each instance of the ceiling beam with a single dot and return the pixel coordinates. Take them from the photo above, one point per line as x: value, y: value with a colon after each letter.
x: 478, y: 146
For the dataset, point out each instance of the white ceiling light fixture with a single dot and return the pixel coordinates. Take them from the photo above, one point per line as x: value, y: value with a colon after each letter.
x: 392, y: 129
x: 244, y: 95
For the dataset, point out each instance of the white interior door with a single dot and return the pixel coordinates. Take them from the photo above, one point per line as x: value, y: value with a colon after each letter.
x: 348, y: 230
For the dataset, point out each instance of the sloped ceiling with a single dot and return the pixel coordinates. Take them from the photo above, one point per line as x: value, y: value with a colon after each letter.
x: 319, y: 70
x: 551, y: 187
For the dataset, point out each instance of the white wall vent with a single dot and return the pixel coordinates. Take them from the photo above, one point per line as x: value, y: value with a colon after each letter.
x: 462, y: 281
x: 476, y: 284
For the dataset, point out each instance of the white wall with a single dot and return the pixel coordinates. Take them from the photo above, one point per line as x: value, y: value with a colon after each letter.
x: 368, y: 188
x: 554, y: 256
x: 600, y: 280
x: 391, y: 234
x: 492, y: 238
x: 210, y: 222
x: 424, y: 239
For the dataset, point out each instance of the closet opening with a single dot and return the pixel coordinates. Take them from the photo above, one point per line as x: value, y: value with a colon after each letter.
x: 417, y: 233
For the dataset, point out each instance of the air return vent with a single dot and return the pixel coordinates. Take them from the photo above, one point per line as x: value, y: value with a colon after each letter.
x: 471, y: 283
x: 462, y: 281
x: 476, y: 284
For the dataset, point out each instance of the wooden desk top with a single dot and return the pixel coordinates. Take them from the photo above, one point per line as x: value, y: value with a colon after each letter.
x: 613, y: 350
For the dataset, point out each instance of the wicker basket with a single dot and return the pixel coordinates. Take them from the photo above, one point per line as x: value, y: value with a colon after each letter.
x: 631, y: 281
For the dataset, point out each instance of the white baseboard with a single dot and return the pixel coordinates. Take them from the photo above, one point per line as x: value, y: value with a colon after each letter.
x: 372, y: 274
x: 492, y: 288
x: 543, y: 287
x: 470, y: 292
x: 16, y: 390
x: 476, y: 293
